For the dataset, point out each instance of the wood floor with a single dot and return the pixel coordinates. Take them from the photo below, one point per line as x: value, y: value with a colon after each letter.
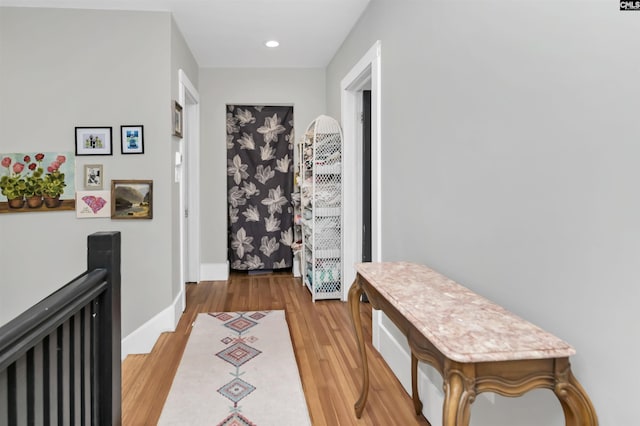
x: 323, y: 341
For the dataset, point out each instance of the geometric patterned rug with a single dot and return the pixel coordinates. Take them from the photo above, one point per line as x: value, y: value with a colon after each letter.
x: 238, y: 369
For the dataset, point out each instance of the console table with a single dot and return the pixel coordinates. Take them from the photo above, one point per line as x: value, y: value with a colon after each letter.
x: 476, y: 345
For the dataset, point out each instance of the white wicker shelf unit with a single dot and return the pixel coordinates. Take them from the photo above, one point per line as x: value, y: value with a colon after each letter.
x: 321, y: 199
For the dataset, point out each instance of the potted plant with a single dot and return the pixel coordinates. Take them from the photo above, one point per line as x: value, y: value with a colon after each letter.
x: 53, y: 184
x: 34, y: 182
x: 12, y: 184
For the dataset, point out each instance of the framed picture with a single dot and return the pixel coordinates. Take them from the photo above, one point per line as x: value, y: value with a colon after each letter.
x: 131, y: 199
x: 93, y: 176
x: 93, y: 141
x: 91, y: 204
x: 131, y: 140
x: 37, y: 181
x: 177, y: 119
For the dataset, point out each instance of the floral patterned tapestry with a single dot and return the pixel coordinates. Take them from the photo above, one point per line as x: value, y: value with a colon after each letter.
x: 259, y: 186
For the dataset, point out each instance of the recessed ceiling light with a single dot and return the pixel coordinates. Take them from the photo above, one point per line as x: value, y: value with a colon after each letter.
x: 272, y: 43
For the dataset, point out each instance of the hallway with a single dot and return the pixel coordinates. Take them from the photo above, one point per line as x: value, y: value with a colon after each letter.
x: 324, y: 345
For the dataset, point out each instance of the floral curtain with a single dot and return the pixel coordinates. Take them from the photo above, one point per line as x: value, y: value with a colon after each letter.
x: 259, y: 186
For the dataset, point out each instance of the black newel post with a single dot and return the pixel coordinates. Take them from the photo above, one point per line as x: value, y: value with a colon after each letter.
x: 104, y: 252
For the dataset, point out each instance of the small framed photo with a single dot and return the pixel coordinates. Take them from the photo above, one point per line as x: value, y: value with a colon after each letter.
x: 177, y: 119
x: 131, y: 199
x: 93, y: 141
x: 91, y: 204
x: 131, y: 140
x: 93, y: 176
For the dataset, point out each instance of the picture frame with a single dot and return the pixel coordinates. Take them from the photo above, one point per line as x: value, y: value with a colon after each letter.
x: 177, y: 119
x: 93, y: 176
x: 93, y: 204
x: 131, y: 199
x: 93, y: 141
x: 131, y: 139
x: 54, y: 169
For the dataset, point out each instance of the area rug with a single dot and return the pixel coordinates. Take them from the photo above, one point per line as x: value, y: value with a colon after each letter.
x: 238, y: 369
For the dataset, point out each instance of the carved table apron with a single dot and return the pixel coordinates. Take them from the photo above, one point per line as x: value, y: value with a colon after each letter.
x: 476, y: 345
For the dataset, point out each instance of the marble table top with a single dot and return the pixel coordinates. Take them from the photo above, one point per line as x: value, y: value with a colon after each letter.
x: 464, y: 326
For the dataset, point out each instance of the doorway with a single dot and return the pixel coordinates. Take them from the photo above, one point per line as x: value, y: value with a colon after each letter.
x: 366, y: 180
x: 186, y: 174
x: 364, y: 76
x: 366, y: 176
x: 260, y: 187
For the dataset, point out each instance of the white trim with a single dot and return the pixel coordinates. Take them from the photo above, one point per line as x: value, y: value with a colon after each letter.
x: 183, y: 80
x: 178, y: 309
x: 141, y: 340
x: 214, y: 271
x: 193, y: 179
x: 189, y: 98
x: 397, y: 355
x: 296, y: 270
x: 376, y: 325
x: 366, y: 71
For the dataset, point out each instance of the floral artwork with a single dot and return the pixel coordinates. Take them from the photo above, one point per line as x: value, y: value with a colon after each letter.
x: 36, y: 181
x: 93, y: 204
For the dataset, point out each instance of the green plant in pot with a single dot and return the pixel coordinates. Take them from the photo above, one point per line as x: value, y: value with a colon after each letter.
x: 34, y: 182
x: 53, y: 185
x: 12, y: 183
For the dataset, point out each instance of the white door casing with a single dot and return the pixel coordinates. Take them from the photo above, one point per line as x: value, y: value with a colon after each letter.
x: 187, y: 173
x: 366, y: 74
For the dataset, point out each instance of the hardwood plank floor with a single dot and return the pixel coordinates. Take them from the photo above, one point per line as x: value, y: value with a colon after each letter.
x: 323, y: 341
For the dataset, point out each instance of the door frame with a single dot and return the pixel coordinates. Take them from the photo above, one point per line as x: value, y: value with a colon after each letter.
x: 365, y: 74
x: 187, y: 174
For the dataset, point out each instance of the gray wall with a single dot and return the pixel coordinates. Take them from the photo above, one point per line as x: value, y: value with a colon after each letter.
x: 64, y: 68
x: 510, y: 155
x: 302, y: 88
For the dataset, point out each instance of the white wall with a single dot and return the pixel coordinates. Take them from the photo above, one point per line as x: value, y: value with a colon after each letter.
x: 510, y: 163
x: 302, y: 88
x: 64, y: 68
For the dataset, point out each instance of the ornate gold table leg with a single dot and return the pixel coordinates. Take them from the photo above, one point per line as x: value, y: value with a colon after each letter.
x: 417, y: 404
x: 354, y: 306
x: 577, y: 407
x: 459, y: 393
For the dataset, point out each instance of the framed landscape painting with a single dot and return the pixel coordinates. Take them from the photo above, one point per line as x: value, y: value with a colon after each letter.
x: 131, y: 199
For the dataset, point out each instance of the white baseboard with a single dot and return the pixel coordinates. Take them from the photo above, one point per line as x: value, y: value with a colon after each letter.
x: 141, y: 340
x: 214, y: 271
x: 178, y: 307
x: 296, y: 269
x: 397, y: 354
x: 393, y: 347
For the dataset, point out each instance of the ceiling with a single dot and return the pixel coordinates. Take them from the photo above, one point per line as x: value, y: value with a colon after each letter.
x: 232, y: 33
